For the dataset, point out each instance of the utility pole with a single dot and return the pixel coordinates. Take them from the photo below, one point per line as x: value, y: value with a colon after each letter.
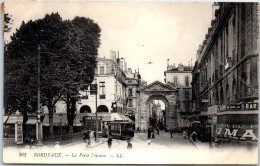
x: 39, y: 124
x: 96, y: 112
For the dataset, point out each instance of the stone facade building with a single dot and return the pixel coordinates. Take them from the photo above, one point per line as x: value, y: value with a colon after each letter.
x: 112, y: 93
x: 225, y: 75
x: 133, y: 80
x: 180, y: 78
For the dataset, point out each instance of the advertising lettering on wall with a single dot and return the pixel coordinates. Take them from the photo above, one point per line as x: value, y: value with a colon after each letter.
x: 246, y: 133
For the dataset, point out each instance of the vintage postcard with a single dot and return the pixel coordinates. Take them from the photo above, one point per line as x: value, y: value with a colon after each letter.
x: 136, y: 82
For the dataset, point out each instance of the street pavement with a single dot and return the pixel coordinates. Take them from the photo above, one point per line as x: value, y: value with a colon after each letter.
x: 139, y: 142
x: 162, y: 150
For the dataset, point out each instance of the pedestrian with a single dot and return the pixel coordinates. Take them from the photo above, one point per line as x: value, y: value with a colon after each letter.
x: 171, y: 131
x: 194, y: 136
x: 57, y: 145
x: 89, y: 143
x: 86, y: 135
x: 153, y: 133
x: 158, y: 130
x: 184, y: 134
x: 149, y: 133
x: 149, y: 141
x: 109, y: 142
x: 129, y: 145
x: 95, y: 135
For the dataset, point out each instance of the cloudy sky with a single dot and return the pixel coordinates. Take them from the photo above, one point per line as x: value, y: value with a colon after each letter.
x: 142, y: 32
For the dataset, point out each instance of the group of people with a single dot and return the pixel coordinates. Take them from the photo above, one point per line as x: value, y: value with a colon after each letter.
x: 190, y: 133
x: 87, y: 139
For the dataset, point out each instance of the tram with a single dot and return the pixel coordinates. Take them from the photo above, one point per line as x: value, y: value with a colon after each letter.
x: 121, y: 130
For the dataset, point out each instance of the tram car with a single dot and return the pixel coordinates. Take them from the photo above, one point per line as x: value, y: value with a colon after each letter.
x: 121, y: 130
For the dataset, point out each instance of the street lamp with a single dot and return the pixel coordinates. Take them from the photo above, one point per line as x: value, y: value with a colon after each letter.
x: 39, y: 124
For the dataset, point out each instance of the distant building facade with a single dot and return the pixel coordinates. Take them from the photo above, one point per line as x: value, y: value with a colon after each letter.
x: 225, y: 75
x: 180, y: 78
x: 133, y: 80
x: 113, y: 92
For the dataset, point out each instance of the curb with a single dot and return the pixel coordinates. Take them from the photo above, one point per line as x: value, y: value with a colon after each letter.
x: 193, y: 143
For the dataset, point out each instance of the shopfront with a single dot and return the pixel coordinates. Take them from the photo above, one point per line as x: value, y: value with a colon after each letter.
x: 238, y: 127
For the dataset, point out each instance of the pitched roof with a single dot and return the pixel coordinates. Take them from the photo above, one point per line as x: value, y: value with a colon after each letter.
x: 158, y: 86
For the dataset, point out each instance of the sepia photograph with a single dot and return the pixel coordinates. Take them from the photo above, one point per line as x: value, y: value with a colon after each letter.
x: 130, y: 82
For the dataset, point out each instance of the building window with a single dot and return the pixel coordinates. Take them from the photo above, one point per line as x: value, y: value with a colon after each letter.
x: 102, y: 90
x: 130, y: 92
x: 175, y: 80
x: 187, y: 95
x: 101, y: 69
x: 130, y: 102
x: 187, y: 81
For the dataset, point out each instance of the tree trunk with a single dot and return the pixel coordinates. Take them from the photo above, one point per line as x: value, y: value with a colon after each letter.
x: 71, y: 114
x: 50, y: 108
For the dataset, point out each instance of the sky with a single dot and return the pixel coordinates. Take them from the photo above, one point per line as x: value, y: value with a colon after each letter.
x: 142, y: 32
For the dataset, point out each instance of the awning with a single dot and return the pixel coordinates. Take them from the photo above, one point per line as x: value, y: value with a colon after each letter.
x: 14, y: 119
x: 32, y: 120
x: 5, y: 118
x: 57, y: 120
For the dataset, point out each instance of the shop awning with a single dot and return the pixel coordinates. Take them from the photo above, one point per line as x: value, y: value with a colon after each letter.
x: 14, y: 119
x: 57, y: 120
x: 32, y: 120
x: 5, y: 118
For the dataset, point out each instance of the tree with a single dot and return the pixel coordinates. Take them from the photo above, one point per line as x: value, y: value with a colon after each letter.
x: 68, y: 52
x: 82, y: 48
x: 45, y: 37
x: 7, y: 22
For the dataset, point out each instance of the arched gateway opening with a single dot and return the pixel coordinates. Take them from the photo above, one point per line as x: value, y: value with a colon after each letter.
x: 147, y: 115
x: 157, y: 106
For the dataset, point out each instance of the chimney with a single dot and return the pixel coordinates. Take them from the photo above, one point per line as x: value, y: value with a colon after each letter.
x: 168, y: 64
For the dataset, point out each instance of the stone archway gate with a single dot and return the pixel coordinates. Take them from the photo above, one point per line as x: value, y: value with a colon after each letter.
x: 156, y: 91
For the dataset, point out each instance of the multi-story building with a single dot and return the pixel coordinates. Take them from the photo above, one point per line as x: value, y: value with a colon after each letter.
x: 180, y: 77
x: 225, y: 84
x: 133, y: 80
x: 111, y: 100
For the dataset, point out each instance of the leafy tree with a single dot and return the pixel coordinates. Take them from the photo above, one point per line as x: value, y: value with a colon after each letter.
x: 45, y: 37
x: 67, y: 51
x: 7, y: 22
x: 82, y: 47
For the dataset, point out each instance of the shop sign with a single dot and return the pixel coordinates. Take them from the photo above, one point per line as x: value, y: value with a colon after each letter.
x: 244, y: 133
x: 92, y: 118
x: 251, y: 106
x: 19, y: 132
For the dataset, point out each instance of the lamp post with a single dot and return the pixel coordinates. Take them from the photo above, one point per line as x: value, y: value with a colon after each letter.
x: 39, y: 124
x: 96, y: 112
